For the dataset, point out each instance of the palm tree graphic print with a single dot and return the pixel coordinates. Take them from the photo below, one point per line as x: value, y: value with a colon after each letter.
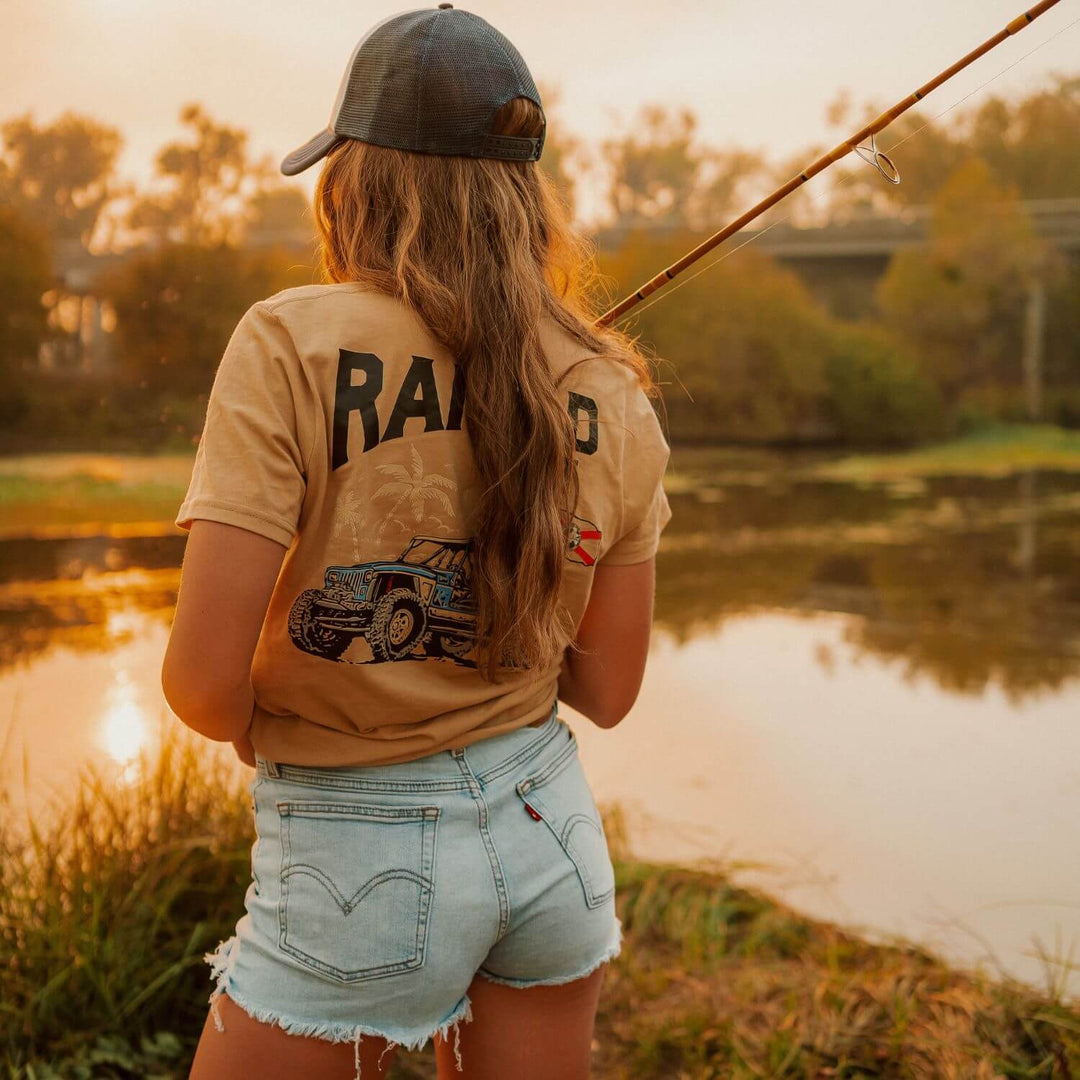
x: 411, y: 491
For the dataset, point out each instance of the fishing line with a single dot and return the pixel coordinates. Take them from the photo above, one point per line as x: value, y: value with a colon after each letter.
x: 673, y: 288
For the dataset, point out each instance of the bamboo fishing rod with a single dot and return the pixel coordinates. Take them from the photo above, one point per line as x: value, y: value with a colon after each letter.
x: 871, y: 154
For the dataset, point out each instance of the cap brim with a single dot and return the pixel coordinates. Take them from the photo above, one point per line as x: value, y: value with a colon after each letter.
x: 313, y: 150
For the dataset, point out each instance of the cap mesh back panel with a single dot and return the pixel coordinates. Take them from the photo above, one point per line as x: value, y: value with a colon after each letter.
x: 431, y: 81
x: 382, y: 83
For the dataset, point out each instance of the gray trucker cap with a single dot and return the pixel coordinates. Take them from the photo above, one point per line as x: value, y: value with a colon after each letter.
x: 429, y: 81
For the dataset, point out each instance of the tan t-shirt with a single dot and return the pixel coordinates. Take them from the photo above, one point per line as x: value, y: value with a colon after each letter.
x: 334, y: 427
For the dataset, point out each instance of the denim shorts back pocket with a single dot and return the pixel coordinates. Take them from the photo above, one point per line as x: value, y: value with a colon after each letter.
x: 560, y: 794
x: 356, y: 886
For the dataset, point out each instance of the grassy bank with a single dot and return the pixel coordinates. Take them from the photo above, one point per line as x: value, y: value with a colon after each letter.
x: 992, y: 451
x: 47, y: 494
x: 998, y: 450
x: 65, y: 493
x: 104, y: 917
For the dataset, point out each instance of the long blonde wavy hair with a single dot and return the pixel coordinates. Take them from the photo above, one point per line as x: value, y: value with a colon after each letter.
x: 481, y: 250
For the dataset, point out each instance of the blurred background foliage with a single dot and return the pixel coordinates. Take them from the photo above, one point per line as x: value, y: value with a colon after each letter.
x: 118, y: 299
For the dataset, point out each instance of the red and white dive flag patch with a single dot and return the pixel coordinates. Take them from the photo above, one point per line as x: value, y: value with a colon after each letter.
x: 581, y: 543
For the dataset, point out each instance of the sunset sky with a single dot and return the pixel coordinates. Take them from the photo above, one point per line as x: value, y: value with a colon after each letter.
x: 759, y: 74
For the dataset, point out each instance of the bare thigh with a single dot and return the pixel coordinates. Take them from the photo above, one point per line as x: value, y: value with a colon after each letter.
x: 249, y: 1048
x: 539, y: 1033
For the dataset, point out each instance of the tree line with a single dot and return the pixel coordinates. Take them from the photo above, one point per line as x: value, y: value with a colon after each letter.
x: 745, y: 351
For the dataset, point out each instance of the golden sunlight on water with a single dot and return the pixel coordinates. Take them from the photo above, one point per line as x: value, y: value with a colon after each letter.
x: 72, y: 707
x: 67, y: 708
x: 125, y: 727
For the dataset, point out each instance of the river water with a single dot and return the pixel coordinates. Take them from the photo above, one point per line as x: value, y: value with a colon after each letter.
x: 863, y: 698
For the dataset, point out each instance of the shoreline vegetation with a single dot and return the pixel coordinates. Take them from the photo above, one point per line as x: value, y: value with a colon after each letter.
x: 65, y: 494
x: 108, y: 903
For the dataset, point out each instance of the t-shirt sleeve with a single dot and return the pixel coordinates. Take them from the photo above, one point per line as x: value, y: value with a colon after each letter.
x: 645, y: 509
x: 249, y: 466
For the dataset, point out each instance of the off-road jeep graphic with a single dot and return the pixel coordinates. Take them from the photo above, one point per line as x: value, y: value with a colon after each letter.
x: 419, y: 601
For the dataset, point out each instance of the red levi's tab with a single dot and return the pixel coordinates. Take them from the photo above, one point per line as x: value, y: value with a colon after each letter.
x: 532, y: 813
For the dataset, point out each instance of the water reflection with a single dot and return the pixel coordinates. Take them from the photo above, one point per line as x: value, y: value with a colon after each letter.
x: 73, y: 558
x: 972, y: 582
x: 80, y: 593
x: 854, y: 790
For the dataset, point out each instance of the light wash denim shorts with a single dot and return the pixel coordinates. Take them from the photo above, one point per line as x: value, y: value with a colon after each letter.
x: 378, y: 892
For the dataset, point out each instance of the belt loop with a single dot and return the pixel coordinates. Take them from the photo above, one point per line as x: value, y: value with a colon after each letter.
x: 272, y: 769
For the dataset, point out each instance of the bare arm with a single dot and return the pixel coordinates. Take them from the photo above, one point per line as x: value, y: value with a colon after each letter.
x: 603, y: 680
x: 228, y: 578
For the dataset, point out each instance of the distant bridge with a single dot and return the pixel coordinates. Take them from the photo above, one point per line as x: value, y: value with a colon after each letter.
x: 841, y: 264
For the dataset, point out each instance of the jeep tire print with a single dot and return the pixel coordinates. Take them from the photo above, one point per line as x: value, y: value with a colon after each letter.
x: 307, y: 631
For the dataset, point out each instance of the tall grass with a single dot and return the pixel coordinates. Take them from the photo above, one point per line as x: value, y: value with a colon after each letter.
x: 106, y: 910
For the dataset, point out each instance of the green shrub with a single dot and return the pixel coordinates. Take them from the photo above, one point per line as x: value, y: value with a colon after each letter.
x: 177, y: 305
x: 742, y: 347
x: 25, y: 275
x: 1062, y: 407
x: 878, y: 395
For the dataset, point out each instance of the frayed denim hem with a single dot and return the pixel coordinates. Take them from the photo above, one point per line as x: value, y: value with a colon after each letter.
x: 332, y: 1032
x: 609, y: 953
